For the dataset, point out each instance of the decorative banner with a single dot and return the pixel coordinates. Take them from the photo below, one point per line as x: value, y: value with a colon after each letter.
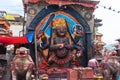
x: 109, y: 8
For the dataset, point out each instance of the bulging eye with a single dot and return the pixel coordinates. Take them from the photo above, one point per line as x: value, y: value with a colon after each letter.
x: 25, y: 52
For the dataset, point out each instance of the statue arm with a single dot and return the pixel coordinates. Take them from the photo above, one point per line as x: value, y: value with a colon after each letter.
x: 31, y: 63
x: 78, y: 47
x: 30, y: 59
x: 54, y: 47
x: 43, y: 43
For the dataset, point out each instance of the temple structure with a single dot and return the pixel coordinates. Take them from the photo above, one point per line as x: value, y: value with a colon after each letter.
x: 63, y: 34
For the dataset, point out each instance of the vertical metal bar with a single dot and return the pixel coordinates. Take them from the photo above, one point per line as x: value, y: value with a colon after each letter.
x: 36, y: 55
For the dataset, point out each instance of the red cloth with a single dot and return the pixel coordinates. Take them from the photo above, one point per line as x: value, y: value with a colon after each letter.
x: 42, y: 64
x: 13, y: 40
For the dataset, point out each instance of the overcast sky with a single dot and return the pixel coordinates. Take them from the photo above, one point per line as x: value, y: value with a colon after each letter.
x: 111, y: 19
x: 12, y: 6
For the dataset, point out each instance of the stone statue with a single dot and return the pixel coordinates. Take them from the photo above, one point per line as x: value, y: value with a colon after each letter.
x: 22, y: 65
x: 62, y: 50
x: 110, y: 67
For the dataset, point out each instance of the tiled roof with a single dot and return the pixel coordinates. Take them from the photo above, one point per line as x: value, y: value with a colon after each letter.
x: 2, y: 11
x: 15, y: 15
x: 88, y: 3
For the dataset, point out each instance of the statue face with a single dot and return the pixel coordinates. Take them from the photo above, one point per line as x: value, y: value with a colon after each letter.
x: 22, y: 52
x: 60, y: 25
x: 61, y: 31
